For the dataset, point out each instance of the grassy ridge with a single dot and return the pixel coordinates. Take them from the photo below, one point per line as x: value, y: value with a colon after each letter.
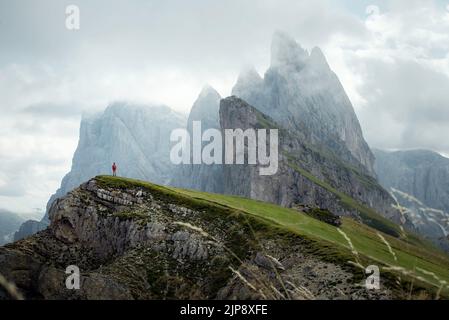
x: 368, y: 215
x: 426, y: 266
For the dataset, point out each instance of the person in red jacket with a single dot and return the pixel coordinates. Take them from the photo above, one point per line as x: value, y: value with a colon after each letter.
x: 114, y: 169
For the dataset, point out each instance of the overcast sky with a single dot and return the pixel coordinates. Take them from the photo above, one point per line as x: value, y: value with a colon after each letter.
x: 391, y: 56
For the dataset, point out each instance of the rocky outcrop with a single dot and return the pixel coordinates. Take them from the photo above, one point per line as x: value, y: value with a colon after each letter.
x: 419, y: 180
x: 134, y: 242
x: 301, y: 93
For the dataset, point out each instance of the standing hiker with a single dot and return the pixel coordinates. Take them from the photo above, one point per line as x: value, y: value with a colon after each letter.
x: 114, y: 169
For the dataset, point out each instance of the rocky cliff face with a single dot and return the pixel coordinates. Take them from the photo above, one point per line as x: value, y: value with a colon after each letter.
x: 131, y: 241
x: 421, y: 173
x: 306, y: 175
x: 203, y: 177
x: 301, y: 93
x: 419, y: 180
x: 136, y: 137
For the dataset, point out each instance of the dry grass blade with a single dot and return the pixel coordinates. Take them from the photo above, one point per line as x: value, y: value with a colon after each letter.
x: 390, y: 249
x: 301, y: 291
x: 351, y: 246
x: 246, y: 282
x: 10, y: 288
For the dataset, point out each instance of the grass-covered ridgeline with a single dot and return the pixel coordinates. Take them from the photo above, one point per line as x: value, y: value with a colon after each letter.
x: 409, y: 257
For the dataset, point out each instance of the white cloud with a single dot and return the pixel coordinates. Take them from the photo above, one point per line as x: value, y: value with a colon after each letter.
x: 398, y: 76
x: 34, y: 156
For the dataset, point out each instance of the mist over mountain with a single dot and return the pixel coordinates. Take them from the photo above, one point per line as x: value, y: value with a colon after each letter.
x: 301, y: 92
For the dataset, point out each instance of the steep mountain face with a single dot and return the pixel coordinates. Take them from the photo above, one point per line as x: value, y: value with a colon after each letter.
x: 306, y: 176
x: 301, y: 93
x: 9, y: 222
x: 30, y: 227
x: 419, y: 180
x: 135, y: 137
x: 205, y: 109
x: 421, y: 173
x: 200, y: 176
x: 131, y: 241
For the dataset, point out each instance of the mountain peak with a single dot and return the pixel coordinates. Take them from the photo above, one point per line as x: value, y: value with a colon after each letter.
x: 205, y: 108
x: 317, y: 58
x: 249, y: 73
x: 208, y: 91
x: 248, y: 79
x: 286, y: 51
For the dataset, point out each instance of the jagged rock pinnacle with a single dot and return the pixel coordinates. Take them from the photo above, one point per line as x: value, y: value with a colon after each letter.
x: 208, y: 90
x: 317, y: 58
x: 286, y: 51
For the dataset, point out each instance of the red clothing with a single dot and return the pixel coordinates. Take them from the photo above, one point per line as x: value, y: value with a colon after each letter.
x: 114, y: 167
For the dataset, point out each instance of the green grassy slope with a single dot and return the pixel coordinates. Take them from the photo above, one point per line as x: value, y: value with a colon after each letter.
x: 425, y: 266
x: 368, y: 215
